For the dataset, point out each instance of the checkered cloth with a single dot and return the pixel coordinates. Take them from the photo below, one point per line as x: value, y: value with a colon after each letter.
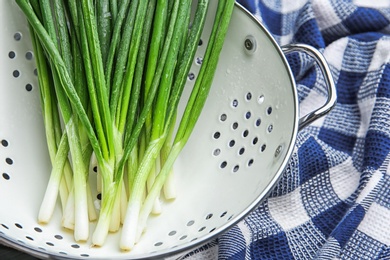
x: 333, y: 200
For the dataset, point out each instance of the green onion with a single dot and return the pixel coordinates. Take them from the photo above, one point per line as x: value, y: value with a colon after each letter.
x: 199, y: 93
x: 111, y: 75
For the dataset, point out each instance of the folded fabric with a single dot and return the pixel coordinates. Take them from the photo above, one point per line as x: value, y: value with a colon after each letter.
x: 333, y: 199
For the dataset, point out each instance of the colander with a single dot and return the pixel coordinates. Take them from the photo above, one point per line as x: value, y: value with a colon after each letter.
x: 239, y: 147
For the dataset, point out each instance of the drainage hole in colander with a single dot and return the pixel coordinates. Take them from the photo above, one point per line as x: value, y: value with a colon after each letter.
x: 263, y: 147
x: 217, y: 135
x: 235, y: 103
x: 99, y: 196
x: 209, y: 216
x: 270, y: 128
x: 6, y: 176
x: 236, y: 168
x: 269, y: 110
x: 11, y: 54
x: 35, y: 72
x: 158, y: 244
x: 16, y: 74
x: 248, y: 96
x: 245, y: 133
x: 260, y: 99
x: 4, y: 226
x: 255, y: 140
x: 241, y: 151
x: 95, y: 169
x: 29, y: 55
x: 223, y: 165
x: 63, y: 253
x: 49, y: 244
x: 59, y: 237
x: 84, y: 255
x: 250, y: 162
x: 223, y: 117
x: 75, y: 246
x: 38, y: 230
x: 223, y: 214
x: 201, y: 229
x: 232, y: 143
x: 211, y: 230
x: 29, y: 238
x: 18, y: 225
x: 9, y: 161
x: 199, y: 60
x: 172, y: 233
x: 41, y: 248
x: 191, y: 76
x: 17, y: 36
x: 258, y: 122
x: 183, y: 237
x: 248, y: 115
x: 200, y: 42
x: 29, y: 87
x: 190, y: 223
x: 4, y: 143
x: 234, y: 125
x: 217, y: 152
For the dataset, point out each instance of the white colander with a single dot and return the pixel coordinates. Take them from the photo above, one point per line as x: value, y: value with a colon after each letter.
x: 238, y: 150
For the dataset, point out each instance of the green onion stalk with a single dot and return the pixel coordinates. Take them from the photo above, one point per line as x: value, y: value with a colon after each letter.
x: 58, y: 153
x: 153, y: 58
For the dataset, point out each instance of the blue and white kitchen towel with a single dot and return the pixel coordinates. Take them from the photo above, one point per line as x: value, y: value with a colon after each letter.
x: 333, y: 200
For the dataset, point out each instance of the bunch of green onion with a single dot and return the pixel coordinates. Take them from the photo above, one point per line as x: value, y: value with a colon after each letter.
x: 111, y: 74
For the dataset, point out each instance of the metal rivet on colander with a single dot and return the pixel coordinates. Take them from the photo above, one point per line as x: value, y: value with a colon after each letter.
x: 250, y: 44
x: 278, y: 150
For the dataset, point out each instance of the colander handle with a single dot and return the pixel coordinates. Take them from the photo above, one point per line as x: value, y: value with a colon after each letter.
x: 323, y: 65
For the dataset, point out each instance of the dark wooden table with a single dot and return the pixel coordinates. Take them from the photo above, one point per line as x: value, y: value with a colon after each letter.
x: 7, y: 253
